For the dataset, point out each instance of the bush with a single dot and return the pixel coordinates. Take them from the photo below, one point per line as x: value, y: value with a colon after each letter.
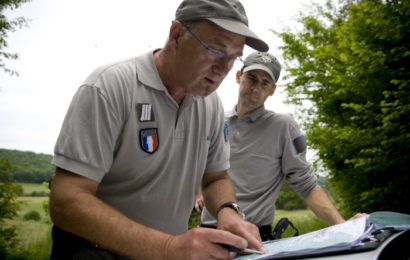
x: 8, y: 240
x: 32, y: 215
x: 288, y: 199
x: 39, y: 193
x: 194, y: 220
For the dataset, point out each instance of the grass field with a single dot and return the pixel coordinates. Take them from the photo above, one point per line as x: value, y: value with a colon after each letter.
x: 304, y: 220
x: 34, y: 236
x: 29, y: 188
x: 32, y: 203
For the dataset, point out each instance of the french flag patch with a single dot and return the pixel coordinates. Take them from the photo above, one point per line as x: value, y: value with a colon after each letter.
x: 149, y: 140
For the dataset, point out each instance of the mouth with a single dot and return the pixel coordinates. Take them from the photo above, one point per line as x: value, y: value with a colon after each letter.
x: 253, y: 95
x: 210, y: 81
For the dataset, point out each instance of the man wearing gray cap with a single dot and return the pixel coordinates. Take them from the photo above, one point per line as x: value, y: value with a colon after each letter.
x: 266, y: 148
x: 139, y: 139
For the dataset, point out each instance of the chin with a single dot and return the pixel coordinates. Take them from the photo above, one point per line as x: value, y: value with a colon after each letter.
x: 203, y: 94
x: 205, y: 91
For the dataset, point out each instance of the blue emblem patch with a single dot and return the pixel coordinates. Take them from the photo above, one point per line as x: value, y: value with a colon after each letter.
x: 226, y: 131
x: 149, y: 140
x: 300, y: 144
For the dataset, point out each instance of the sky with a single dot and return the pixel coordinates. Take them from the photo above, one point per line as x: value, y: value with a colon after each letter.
x: 67, y: 39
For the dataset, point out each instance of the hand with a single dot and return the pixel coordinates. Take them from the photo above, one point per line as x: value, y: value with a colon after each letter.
x: 230, y: 220
x: 201, y: 243
x: 358, y: 215
x: 199, y: 203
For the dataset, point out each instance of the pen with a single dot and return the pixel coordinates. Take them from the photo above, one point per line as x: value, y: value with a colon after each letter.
x: 240, y: 250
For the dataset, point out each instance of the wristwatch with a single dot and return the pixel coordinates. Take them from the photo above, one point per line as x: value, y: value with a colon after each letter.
x: 232, y: 205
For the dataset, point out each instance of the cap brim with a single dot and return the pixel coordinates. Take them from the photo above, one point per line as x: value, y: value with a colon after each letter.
x: 260, y: 67
x: 252, y: 40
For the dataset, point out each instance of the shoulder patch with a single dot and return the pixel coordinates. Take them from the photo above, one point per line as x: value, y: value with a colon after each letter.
x: 300, y: 144
x: 226, y: 131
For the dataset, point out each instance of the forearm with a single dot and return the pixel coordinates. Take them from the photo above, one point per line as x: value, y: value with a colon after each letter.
x: 88, y: 217
x: 217, y: 189
x: 322, y: 206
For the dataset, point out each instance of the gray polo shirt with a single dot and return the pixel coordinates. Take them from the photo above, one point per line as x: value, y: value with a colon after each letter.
x: 264, y: 151
x: 125, y: 131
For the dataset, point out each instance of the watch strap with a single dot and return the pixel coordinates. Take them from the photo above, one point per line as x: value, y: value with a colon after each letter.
x: 232, y: 205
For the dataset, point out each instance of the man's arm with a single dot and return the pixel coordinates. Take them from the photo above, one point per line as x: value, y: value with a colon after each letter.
x: 74, y: 208
x: 322, y: 206
x: 217, y: 189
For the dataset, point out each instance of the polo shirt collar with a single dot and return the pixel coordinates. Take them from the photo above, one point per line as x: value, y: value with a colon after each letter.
x: 147, y: 72
x: 252, y: 116
x: 148, y: 75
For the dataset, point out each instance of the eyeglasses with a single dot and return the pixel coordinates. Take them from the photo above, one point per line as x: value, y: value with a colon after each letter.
x: 214, y: 54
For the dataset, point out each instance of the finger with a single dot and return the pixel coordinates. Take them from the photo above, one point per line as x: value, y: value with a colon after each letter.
x: 232, y: 255
x: 253, y: 237
x: 198, y: 207
x: 257, y: 245
x: 219, y: 252
x: 225, y: 237
x: 359, y: 215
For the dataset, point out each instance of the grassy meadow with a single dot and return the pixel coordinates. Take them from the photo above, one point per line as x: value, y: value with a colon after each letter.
x: 304, y: 220
x: 35, y: 239
x: 32, y: 188
x: 34, y: 236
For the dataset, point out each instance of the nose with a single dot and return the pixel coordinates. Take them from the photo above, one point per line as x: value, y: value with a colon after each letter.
x: 256, y: 86
x: 223, y: 66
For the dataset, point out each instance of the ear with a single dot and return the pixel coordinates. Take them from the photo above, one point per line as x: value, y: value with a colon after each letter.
x: 175, y: 33
x: 238, y: 76
x: 273, y: 90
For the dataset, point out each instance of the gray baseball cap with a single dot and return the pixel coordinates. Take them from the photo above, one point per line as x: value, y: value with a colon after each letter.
x: 227, y: 14
x: 263, y: 61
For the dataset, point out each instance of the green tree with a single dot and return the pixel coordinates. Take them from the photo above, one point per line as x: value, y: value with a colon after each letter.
x: 288, y: 199
x: 350, y: 63
x: 6, y: 26
x: 8, y: 207
x: 30, y: 167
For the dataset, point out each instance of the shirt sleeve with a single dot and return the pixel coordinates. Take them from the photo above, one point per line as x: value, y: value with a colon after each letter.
x: 218, y: 155
x: 90, y: 130
x: 298, y: 172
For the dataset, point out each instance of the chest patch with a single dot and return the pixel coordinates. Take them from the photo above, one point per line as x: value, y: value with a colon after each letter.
x: 145, y: 113
x: 149, y: 140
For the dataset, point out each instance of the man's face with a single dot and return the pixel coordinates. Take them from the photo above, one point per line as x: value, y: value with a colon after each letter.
x: 199, y: 72
x: 255, y: 87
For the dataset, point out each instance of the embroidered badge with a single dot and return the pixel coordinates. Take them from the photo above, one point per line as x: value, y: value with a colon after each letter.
x: 145, y: 113
x: 226, y: 131
x: 149, y: 140
x: 300, y: 144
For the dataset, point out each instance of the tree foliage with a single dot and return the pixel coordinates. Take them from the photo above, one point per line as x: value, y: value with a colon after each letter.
x: 288, y: 199
x: 29, y: 167
x: 9, y: 192
x: 350, y: 63
x: 6, y: 26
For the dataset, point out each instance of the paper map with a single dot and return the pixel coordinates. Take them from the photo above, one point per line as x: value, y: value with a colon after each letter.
x: 348, y: 231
